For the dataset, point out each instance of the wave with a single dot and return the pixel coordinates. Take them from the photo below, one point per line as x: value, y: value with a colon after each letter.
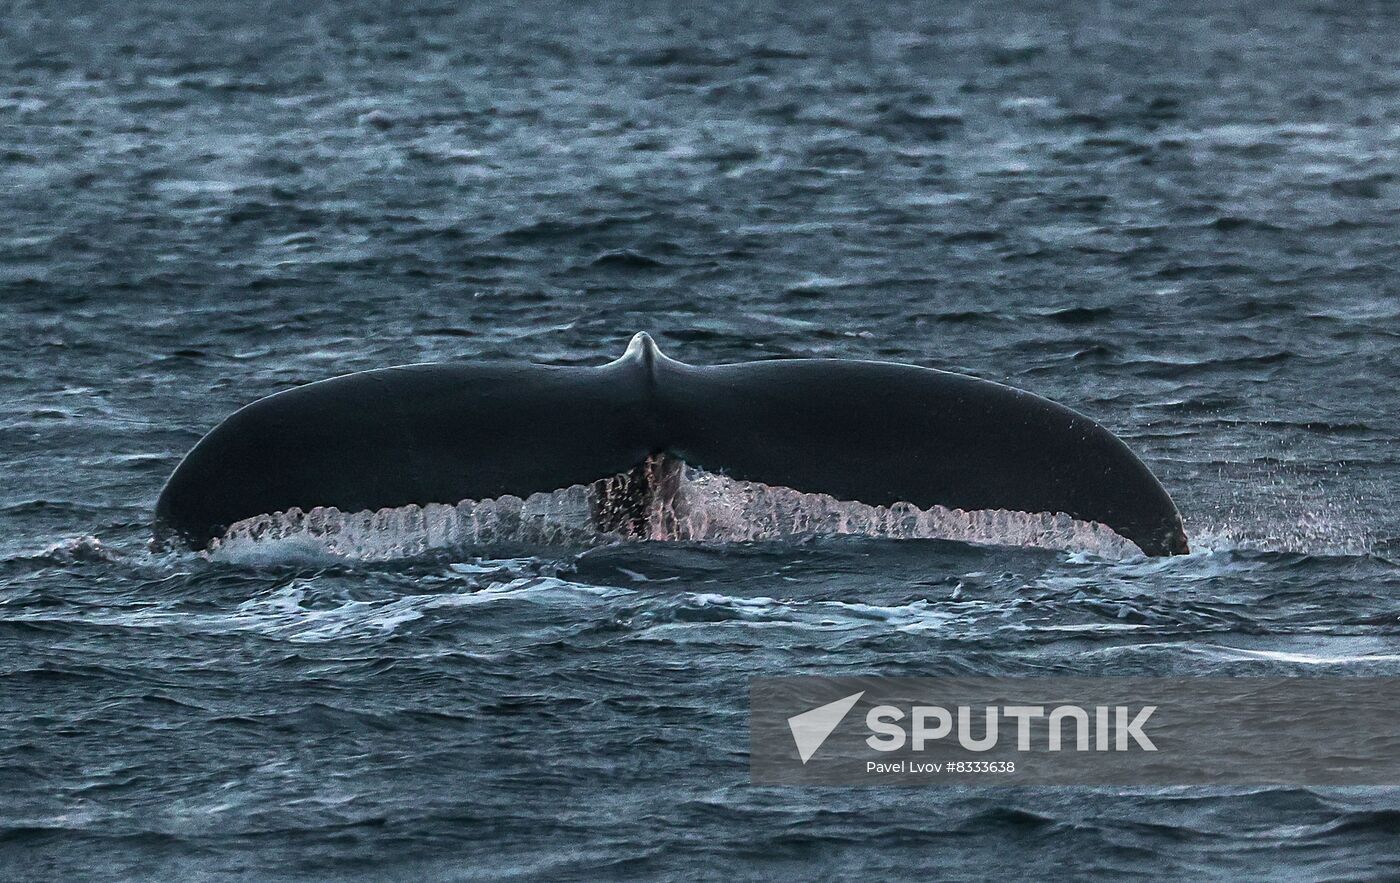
x: 303, y: 613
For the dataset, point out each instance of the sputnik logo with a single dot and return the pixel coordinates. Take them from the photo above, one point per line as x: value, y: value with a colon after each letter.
x: 810, y: 728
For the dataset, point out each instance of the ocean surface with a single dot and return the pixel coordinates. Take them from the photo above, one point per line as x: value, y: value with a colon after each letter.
x: 1182, y: 219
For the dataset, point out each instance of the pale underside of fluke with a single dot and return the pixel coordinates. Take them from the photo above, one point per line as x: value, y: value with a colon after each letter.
x: 876, y: 433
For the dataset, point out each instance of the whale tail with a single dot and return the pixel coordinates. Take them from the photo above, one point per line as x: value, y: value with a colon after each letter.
x: 870, y: 432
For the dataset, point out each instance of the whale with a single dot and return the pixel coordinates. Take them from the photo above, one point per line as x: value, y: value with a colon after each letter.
x: 877, y: 433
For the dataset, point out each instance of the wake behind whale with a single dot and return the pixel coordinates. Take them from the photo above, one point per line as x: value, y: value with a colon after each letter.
x: 401, y: 460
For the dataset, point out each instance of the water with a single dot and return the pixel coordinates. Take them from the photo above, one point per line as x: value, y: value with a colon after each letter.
x: 683, y: 504
x: 1177, y: 218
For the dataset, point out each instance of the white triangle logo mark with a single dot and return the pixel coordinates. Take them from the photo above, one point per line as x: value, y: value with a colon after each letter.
x: 810, y: 728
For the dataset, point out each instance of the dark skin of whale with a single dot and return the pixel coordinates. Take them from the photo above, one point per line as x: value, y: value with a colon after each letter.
x: 872, y: 432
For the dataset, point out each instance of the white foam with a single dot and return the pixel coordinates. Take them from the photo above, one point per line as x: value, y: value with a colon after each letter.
x: 692, y: 506
x: 288, y: 614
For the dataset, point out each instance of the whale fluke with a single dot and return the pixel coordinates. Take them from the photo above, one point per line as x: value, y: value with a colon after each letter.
x: 871, y: 432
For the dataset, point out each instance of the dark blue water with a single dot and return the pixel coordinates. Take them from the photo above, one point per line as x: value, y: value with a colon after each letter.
x: 1179, y: 218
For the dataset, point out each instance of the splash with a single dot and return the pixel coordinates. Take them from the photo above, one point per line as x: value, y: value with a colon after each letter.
x: 75, y: 550
x: 664, y: 501
x: 1326, y: 530
x: 1285, y: 507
